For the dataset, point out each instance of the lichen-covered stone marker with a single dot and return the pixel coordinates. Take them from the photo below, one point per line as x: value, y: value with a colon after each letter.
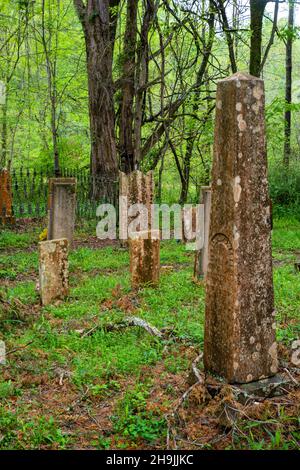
x: 144, y: 240
x: 53, y: 270
x: 145, y: 259
x: 6, y: 210
x: 240, y: 342
x: 61, y: 208
x: 134, y: 188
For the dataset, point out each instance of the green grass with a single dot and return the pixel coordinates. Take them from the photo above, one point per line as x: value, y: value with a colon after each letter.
x: 14, y: 240
x: 109, y: 367
x: 286, y: 235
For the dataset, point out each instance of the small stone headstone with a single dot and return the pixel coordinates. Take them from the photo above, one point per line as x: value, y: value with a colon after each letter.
x: 53, y: 270
x: 61, y: 208
x: 145, y: 259
x: 135, y: 188
x: 144, y: 243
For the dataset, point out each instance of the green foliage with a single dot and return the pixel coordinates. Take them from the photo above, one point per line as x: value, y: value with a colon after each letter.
x: 33, y: 434
x: 268, y: 434
x: 285, y: 189
x: 288, y: 32
x: 8, y: 389
x: 134, y: 421
x: 115, y: 367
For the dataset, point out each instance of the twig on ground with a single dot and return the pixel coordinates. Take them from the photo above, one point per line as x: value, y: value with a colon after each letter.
x: 172, y: 415
x: 82, y: 396
x: 291, y: 377
x: 195, y: 370
x: 125, y: 323
x: 19, y: 348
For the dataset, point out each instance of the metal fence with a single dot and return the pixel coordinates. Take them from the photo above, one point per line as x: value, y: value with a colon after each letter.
x: 30, y: 192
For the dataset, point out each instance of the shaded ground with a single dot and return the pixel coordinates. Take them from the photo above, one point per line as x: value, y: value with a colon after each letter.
x: 69, y: 382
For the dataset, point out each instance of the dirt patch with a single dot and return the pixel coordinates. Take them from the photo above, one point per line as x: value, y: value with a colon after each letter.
x: 94, y: 243
x: 24, y: 225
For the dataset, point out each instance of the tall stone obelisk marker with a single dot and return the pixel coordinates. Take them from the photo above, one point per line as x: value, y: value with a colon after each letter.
x: 240, y: 343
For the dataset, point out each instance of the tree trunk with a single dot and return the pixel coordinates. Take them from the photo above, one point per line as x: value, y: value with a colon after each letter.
x: 160, y: 175
x: 186, y: 176
x: 52, y: 89
x: 54, y: 135
x: 142, y: 65
x: 4, y: 135
x: 97, y: 19
x: 288, y: 86
x: 195, y: 108
x: 257, y: 8
x: 126, y: 145
x: 229, y: 38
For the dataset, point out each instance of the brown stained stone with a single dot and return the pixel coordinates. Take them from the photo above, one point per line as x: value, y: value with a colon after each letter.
x: 201, y: 256
x: 53, y: 270
x: 144, y: 246
x: 138, y: 188
x: 6, y: 209
x: 141, y: 187
x: 145, y: 259
x: 141, y: 190
x: 61, y: 208
x: 240, y: 342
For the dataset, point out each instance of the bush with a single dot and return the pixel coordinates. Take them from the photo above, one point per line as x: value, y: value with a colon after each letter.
x: 285, y: 189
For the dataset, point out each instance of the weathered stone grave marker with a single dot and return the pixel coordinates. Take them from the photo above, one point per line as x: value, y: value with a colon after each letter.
x: 240, y: 342
x: 145, y: 259
x: 138, y: 188
x: 62, y: 208
x: 201, y: 256
x: 189, y: 224
x: 53, y: 270
x: 6, y: 208
x: 144, y: 244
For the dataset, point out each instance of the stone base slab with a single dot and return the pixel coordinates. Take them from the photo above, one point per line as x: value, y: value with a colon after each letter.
x: 261, y: 389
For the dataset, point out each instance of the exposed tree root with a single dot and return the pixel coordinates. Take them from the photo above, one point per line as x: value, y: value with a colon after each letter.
x: 172, y: 417
x: 125, y: 323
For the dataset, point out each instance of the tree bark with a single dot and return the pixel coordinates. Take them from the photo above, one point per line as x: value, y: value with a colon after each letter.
x: 288, y: 86
x: 257, y: 8
x: 142, y: 76
x: 126, y: 144
x: 195, y: 108
x: 98, y: 19
x: 4, y: 135
x: 52, y: 88
x: 229, y: 38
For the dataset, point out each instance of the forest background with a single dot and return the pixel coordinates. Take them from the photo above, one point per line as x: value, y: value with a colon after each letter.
x: 107, y: 85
